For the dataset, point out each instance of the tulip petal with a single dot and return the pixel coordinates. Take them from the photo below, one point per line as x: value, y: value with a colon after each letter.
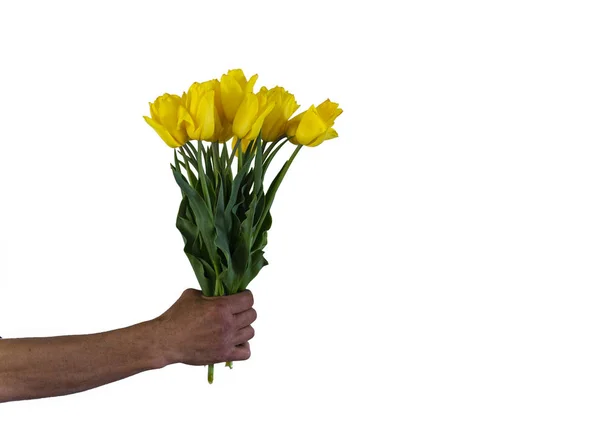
x: 310, y: 127
x: 185, y: 121
x: 231, y: 96
x: 163, y: 133
x: 249, y: 88
x: 328, y: 135
x: 292, y: 125
x: 246, y: 115
x: 206, y: 115
x: 328, y: 111
x: 257, y: 125
x: 238, y: 75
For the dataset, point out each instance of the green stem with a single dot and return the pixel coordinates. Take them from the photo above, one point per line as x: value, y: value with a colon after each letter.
x: 271, y: 147
x: 229, y: 364
x: 216, y: 167
x: 233, y: 151
x: 268, y: 159
x: 275, y: 185
x: 211, y: 373
x: 202, y: 176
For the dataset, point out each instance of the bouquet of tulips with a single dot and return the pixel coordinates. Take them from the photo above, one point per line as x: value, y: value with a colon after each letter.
x: 224, y: 215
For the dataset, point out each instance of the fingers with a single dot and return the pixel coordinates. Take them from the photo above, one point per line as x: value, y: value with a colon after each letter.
x: 244, y: 319
x: 241, y: 352
x: 240, y: 302
x: 243, y: 335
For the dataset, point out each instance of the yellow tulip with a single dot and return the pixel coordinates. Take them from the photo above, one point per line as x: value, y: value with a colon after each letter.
x: 285, y: 105
x: 165, y: 113
x: 313, y: 126
x: 250, y: 115
x: 234, y: 87
x: 200, y: 117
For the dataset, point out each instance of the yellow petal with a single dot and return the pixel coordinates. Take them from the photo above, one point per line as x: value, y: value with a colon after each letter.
x: 238, y: 75
x: 206, y: 115
x: 231, y: 96
x: 246, y: 115
x: 249, y: 88
x: 310, y: 127
x: 163, y: 133
x: 328, y: 135
x: 292, y: 125
x: 185, y: 121
x: 328, y: 111
x: 274, y: 126
x: 256, y: 127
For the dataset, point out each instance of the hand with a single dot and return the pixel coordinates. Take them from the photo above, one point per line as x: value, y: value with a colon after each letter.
x: 199, y: 330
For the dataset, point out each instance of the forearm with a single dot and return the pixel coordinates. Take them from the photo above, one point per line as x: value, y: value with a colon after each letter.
x: 42, y: 367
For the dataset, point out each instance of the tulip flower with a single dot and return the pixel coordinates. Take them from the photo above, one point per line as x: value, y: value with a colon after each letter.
x: 200, y: 115
x: 313, y: 126
x: 165, y: 113
x: 234, y: 87
x: 285, y: 105
x: 250, y: 116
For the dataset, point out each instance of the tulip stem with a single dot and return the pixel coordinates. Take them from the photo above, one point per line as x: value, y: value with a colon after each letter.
x: 229, y: 364
x: 268, y: 149
x: 275, y: 185
x: 211, y: 373
x: 215, y: 157
x: 267, y: 161
x: 233, y: 152
x: 202, y: 175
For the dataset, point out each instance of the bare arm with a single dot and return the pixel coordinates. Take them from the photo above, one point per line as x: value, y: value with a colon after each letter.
x: 195, y: 331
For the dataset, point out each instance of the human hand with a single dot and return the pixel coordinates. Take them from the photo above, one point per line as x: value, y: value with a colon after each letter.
x: 199, y: 330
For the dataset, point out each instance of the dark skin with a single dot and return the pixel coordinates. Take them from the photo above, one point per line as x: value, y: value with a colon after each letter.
x: 196, y: 330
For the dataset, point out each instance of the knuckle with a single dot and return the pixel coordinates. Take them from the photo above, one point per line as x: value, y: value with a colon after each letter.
x: 246, y: 355
x: 188, y: 292
x: 251, y: 332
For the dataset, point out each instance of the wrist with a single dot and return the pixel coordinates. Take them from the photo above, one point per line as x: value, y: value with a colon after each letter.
x: 161, y: 334
x: 157, y: 346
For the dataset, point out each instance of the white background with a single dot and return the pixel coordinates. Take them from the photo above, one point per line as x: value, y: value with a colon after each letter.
x: 436, y: 263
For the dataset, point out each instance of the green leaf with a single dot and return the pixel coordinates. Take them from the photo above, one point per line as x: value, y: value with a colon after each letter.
x: 177, y: 162
x: 260, y: 205
x: 203, y: 183
x: 204, y: 219
x: 257, y: 262
x: 239, y: 259
x: 204, y: 274
x: 208, y: 169
x: 191, y: 176
x: 190, y: 146
x: 198, y: 268
x: 216, y: 165
x: 189, y: 155
x: 258, y: 165
x: 235, y: 188
x: 260, y: 242
x: 187, y: 228
x: 223, y: 227
x: 236, y: 147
